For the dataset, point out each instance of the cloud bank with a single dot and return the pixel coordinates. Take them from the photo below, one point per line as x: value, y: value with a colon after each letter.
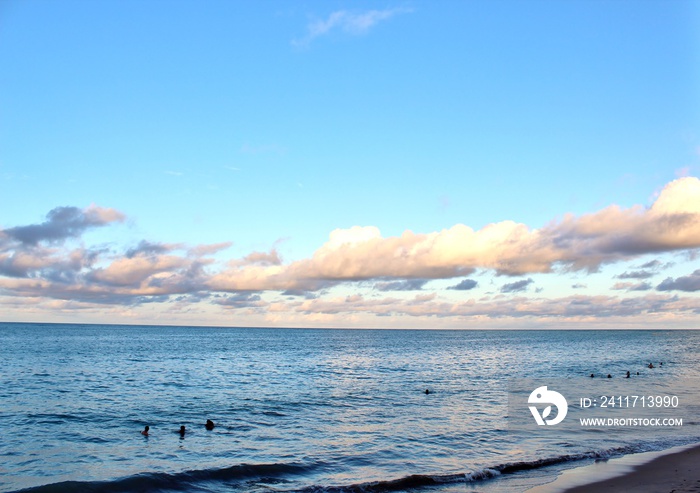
x: 47, y: 261
x: 583, y: 243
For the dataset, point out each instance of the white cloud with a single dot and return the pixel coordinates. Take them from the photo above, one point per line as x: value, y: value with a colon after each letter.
x: 354, y: 23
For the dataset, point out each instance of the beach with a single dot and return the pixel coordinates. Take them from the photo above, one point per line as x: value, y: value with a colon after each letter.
x: 672, y: 471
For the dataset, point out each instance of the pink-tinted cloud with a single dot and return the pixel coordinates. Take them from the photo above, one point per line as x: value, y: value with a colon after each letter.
x: 575, y: 243
x: 135, y: 271
x: 39, y: 262
x: 572, y: 308
x: 204, y: 250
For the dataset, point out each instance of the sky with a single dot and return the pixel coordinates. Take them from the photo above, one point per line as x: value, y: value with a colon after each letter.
x: 404, y: 164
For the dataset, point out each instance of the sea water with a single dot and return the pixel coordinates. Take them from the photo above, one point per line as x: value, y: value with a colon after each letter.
x: 304, y: 409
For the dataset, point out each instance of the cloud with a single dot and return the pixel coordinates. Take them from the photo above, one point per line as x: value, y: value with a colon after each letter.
x: 579, y: 285
x: 135, y: 270
x: 63, y: 223
x: 464, y: 285
x: 638, y: 274
x: 690, y: 283
x: 405, y: 285
x: 263, y: 258
x: 38, y: 261
x: 300, y: 293
x: 672, y: 223
x: 241, y: 300
x: 50, y: 263
x: 652, y: 264
x: 148, y: 248
x: 630, y: 286
x: 354, y: 23
x: 516, y: 287
x: 194, y: 297
x: 582, y: 309
x: 203, y: 250
x: 349, y: 304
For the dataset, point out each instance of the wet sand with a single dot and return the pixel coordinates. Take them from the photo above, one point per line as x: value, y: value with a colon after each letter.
x: 674, y: 472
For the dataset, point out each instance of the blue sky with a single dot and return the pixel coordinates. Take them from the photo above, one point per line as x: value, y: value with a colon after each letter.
x: 346, y: 164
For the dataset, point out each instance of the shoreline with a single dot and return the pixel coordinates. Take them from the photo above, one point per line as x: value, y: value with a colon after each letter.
x: 675, y: 470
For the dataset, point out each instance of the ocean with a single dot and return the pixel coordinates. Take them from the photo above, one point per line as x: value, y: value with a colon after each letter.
x: 306, y: 410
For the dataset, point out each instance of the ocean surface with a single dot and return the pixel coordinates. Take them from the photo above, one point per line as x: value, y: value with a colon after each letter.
x: 302, y: 410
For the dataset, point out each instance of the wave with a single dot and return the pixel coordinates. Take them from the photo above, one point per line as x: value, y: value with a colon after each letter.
x: 207, y: 479
x: 182, y: 481
x: 418, y: 480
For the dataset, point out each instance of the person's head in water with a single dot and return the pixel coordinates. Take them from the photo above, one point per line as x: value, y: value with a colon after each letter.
x: 628, y: 375
x: 592, y: 375
x: 427, y: 391
x: 182, y: 430
x: 145, y: 431
x: 609, y: 375
x: 651, y: 365
x: 209, y: 425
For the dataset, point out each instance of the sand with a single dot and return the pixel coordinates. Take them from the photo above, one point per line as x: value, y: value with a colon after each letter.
x: 677, y: 471
x: 674, y: 473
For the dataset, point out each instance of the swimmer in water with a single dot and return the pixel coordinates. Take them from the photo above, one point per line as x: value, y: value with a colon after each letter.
x: 427, y: 391
x: 651, y: 365
x: 592, y: 375
x: 182, y: 431
x: 609, y: 375
x: 145, y: 431
x: 209, y: 425
x: 628, y: 375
